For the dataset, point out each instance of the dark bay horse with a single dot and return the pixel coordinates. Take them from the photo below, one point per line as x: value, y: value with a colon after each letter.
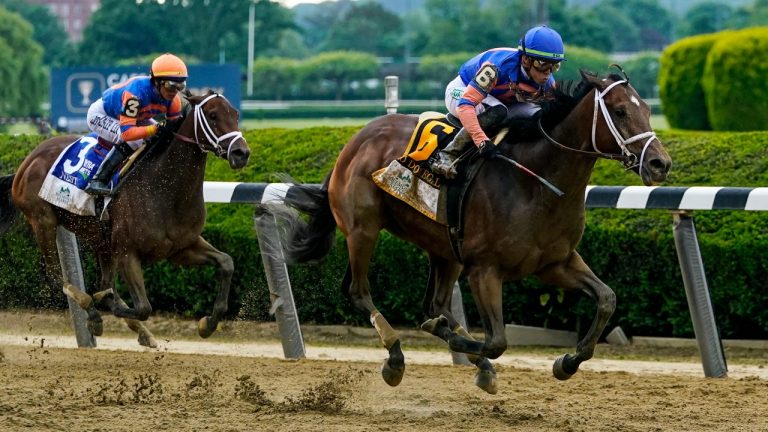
x: 158, y: 213
x: 514, y: 226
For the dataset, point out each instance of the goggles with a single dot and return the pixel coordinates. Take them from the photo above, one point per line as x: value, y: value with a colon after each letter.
x: 173, y: 85
x: 544, y: 66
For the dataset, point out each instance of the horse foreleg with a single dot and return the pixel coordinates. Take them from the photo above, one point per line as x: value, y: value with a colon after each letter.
x: 360, y: 243
x: 129, y: 267
x: 576, y: 275
x: 486, y: 290
x: 202, y: 253
x: 437, y: 302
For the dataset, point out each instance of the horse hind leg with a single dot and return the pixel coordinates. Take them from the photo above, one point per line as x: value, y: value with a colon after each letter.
x: 44, y: 228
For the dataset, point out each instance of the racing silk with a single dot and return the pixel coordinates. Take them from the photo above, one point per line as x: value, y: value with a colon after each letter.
x: 499, y: 73
x: 134, y: 103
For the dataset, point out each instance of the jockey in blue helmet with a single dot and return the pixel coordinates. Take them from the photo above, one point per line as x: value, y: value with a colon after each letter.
x: 495, y: 84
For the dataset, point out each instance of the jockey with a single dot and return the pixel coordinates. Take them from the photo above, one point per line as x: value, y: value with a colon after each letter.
x: 497, y: 83
x: 124, y: 115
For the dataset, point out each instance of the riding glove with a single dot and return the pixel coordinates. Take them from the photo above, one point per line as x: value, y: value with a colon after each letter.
x: 488, y: 149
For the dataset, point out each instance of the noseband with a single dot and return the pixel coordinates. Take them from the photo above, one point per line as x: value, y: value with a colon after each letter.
x: 627, y: 158
x: 212, y: 141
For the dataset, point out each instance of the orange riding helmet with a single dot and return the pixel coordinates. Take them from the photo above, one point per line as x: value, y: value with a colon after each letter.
x: 169, y: 67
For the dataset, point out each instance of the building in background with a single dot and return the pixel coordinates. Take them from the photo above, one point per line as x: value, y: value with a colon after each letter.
x: 73, y: 14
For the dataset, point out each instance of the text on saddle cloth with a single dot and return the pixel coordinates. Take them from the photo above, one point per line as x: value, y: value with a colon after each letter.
x: 65, y: 183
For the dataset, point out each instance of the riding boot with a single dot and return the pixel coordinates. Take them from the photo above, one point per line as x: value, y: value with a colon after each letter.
x: 99, y: 184
x: 444, y: 160
x: 443, y: 163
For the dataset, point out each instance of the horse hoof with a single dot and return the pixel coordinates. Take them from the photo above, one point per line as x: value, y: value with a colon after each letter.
x: 102, y: 295
x: 392, y: 375
x: 96, y: 327
x: 205, y: 327
x: 486, y: 380
x: 147, y: 340
x: 558, y: 369
x: 430, y: 326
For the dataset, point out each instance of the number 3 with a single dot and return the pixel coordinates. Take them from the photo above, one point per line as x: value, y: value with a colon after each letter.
x: 131, y: 108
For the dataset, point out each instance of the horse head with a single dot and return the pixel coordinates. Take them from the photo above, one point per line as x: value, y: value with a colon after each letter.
x: 621, y: 128
x: 212, y: 124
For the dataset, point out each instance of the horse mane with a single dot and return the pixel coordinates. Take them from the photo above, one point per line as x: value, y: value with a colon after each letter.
x: 554, y: 110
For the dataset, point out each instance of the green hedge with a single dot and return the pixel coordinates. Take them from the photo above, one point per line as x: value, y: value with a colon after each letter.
x: 734, y: 81
x: 632, y: 251
x: 681, y: 68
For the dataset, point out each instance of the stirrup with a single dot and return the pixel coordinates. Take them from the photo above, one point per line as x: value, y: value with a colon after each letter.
x: 443, y: 168
x: 98, y: 188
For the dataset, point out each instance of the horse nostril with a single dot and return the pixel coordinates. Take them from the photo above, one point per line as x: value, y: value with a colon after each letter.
x: 239, y: 156
x: 659, y: 165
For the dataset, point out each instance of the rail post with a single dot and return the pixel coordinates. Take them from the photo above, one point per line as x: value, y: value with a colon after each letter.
x: 457, y: 310
x: 72, y: 272
x: 280, y: 293
x: 391, y: 94
x: 697, y: 293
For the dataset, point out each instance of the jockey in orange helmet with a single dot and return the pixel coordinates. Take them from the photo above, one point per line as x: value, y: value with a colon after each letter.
x: 125, y: 114
x: 495, y: 84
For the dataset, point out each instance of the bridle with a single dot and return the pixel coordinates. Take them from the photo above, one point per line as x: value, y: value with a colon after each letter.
x: 213, y: 142
x: 627, y: 158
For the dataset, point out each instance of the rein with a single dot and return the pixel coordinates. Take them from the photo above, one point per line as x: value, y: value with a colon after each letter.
x: 202, y: 123
x: 626, y: 157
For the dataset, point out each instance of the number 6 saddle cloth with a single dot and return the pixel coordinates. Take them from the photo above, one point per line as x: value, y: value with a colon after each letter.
x: 408, y: 178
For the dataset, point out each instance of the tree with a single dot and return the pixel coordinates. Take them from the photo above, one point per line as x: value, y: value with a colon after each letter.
x: 707, y: 17
x: 276, y: 75
x: 367, y: 27
x: 750, y: 16
x: 121, y: 29
x: 207, y: 30
x: 47, y: 31
x: 456, y: 26
x: 653, y: 21
x: 22, y: 74
x: 582, y: 27
x: 339, y: 68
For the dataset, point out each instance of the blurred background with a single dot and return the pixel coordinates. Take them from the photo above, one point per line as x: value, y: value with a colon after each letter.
x: 293, y: 63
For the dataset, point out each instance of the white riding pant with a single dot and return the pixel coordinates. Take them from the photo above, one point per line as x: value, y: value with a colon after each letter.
x: 455, y: 89
x: 105, y: 126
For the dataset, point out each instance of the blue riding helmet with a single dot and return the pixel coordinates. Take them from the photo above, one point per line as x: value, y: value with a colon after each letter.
x: 542, y: 42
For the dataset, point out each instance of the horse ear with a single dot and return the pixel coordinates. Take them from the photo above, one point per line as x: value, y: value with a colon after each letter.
x: 591, y: 78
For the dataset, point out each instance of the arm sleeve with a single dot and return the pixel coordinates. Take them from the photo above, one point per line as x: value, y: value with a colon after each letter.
x: 129, y: 112
x: 174, y: 111
x: 468, y: 115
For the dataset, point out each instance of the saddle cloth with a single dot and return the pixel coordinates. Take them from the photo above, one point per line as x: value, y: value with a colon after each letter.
x: 408, y: 178
x: 65, y: 183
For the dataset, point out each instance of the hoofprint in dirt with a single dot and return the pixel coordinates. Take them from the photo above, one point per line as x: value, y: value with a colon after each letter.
x: 98, y: 389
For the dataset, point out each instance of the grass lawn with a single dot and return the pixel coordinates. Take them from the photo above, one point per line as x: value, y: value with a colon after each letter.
x: 302, y: 123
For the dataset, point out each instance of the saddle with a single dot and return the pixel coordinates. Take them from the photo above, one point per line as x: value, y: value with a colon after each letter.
x: 64, y: 185
x: 409, y: 179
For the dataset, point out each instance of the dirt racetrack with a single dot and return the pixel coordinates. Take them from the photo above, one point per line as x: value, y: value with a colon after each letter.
x: 120, y: 387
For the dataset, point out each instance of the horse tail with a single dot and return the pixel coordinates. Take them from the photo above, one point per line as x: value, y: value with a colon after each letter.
x: 8, y: 210
x: 310, y: 240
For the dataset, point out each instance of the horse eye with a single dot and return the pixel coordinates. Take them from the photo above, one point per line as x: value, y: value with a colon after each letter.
x: 620, y: 112
x: 212, y: 116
